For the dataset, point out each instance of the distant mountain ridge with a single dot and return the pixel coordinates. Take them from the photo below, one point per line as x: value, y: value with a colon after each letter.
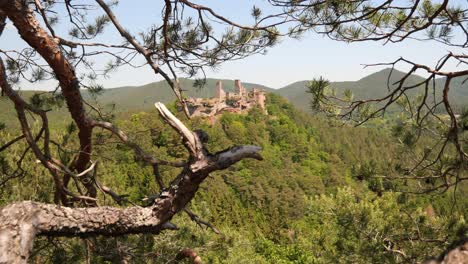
x: 142, y: 97
x: 375, y: 86
x: 371, y: 86
x: 138, y: 98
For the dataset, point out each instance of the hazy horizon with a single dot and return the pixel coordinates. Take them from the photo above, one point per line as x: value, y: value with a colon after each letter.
x: 243, y: 81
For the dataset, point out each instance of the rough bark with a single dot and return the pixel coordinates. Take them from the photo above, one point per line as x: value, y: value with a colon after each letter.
x: 21, y: 222
x: 457, y: 255
x: 2, y: 21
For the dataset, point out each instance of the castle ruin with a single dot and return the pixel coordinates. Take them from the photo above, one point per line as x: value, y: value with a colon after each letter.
x: 239, y: 101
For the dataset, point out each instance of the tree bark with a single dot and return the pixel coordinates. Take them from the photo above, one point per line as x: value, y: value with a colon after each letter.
x: 457, y: 255
x: 21, y: 222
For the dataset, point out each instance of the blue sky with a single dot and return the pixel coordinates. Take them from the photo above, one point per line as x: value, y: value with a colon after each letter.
x: 291, y: 60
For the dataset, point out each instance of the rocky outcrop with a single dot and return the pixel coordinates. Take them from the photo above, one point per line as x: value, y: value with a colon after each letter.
x: 457, y: 255
x: 238, y: 102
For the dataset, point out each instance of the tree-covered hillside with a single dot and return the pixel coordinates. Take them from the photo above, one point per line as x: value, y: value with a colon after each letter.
x: 139, y: 98
x: 143, y: 97
x: 89, y: 175
x: 375, y: 86
x: 313, y: 199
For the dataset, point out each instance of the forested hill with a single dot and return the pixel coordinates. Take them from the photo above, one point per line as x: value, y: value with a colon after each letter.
x: 371, y: 86
x: 374, y: 86
x: 143, y: 97
x: 134, y: 98
x: 129, y: 98
x: 313, y: 199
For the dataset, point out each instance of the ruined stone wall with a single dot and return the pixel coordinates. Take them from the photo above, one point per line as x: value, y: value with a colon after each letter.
x: 240, y: 90
x: 237, y: 86
x: 238, y: 102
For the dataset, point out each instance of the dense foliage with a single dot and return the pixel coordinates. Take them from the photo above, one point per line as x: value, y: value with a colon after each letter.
x: 314, y: 199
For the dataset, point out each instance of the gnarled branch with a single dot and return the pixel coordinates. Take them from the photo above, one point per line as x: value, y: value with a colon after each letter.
x: 21, y: 222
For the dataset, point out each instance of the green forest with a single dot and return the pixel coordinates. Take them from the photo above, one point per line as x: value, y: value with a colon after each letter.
x: 315, y: 198
x: 127, y: 136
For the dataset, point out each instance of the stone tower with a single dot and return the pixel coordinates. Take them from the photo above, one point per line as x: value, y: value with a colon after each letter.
x: 220, y: 94
x: 260, y: 98
x: 239, y: 88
